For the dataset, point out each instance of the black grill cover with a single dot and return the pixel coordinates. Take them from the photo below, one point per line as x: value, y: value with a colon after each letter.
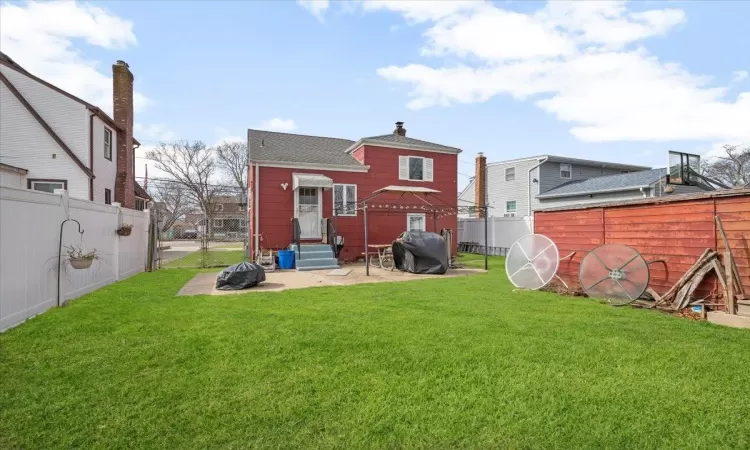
x: 240, y: 276
x: 420, y: 252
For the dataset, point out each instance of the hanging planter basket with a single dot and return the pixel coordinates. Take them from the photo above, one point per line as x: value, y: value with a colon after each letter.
x: 81, y: 263
x: 124, y: 230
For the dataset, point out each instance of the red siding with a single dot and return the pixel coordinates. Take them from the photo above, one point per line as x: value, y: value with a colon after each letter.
x: 359, y: 154
x: 676, y: 232
x: 277, y: 204
x: 251, y: 203
x: 735, y: 215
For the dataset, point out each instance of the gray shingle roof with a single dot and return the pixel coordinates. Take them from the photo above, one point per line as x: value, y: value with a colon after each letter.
x: 403, y: 140
x: 607, y: 183
x: 298, y: 148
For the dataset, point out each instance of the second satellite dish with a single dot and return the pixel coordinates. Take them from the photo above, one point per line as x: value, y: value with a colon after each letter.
x: 532, y: 261
x: 614, y: 272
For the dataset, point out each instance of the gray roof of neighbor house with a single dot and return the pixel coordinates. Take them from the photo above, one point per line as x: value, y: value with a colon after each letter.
x: 13, y: 168
x: 404, y: 141
x: 299, y: 148
x: 607, y: 183
x: 140, y: 192
x: 565, y: 159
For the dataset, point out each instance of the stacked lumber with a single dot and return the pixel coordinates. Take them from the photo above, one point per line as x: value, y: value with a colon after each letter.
x: 680, y: 296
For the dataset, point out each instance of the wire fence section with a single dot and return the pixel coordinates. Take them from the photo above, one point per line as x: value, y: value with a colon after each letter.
x: 199, y: 226
x: 502, y: 232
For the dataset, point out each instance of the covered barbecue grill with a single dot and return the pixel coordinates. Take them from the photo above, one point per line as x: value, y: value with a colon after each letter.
x: 420, y: 252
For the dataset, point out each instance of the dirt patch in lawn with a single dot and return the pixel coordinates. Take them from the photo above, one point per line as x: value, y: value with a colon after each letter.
x: 204, y: 283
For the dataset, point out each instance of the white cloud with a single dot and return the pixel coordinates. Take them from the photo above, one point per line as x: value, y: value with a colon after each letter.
x: 277, y: 124
x: 739, y: 76
x: 41, y: 36
x: 156, y: 132
x: 583, y: 62
x: 316, y: 7
x: 422, y: 10
x: 607, y: 23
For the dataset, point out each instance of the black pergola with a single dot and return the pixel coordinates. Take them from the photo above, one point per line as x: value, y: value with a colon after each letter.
x: 438, y: 209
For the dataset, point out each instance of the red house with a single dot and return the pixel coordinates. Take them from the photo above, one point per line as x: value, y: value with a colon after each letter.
x: 303, y: 177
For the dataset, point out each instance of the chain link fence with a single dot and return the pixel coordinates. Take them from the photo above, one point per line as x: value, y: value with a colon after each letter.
x: 199, y: 234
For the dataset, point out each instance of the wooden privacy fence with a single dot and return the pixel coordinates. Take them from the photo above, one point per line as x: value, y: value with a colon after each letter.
x: 675, y: 229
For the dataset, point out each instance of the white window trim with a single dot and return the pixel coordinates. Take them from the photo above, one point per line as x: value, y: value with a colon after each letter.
x: 33, y: 183
x: 514, y: 173
x: 408, y: 220
x: 570, y: 171
x: 333, y: 197
x: 218, y: 223
x: 107, y: 132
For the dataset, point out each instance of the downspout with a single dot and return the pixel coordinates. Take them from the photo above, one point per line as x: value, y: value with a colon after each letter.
x: 256, y: 208
x: 91, y: 156
x: 528, y: 180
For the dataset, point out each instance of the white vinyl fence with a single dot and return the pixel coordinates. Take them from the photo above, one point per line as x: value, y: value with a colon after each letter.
x: 29, y: 238
x: 502, y: 232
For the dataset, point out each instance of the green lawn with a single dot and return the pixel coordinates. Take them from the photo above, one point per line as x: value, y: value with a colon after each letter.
x: 445, y: 363
x: 210, y: 258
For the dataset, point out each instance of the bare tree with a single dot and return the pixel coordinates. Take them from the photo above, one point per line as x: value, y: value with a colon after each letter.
x: 231, y: 158
x: 172, y: 200
x: 733, y: 169
x: 191, y: 165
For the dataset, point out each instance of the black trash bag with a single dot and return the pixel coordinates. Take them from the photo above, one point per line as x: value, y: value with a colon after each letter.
x: 240, y: 276
x: 420, y: 252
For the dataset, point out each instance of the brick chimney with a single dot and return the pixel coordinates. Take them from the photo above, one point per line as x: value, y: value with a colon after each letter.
x: 480, y: 183
x: 400, y: 130
x: 122, y: 93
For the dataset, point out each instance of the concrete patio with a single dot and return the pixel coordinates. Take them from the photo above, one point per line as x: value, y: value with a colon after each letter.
x: 281, y: 280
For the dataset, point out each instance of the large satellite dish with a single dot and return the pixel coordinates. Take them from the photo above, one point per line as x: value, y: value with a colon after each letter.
x: 614, y: 272
x: 532, y: 261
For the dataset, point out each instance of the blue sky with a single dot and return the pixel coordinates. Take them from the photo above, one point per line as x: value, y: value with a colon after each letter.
x: 612, y: 81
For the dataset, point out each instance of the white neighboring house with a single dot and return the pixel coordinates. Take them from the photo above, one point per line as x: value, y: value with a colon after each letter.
x: 51, y: 139
x: 518, y: 187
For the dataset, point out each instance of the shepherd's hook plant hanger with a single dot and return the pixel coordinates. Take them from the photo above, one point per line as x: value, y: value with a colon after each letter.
x: 59, y: 252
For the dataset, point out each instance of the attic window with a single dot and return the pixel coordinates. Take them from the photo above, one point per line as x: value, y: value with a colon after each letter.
x: 566, y: 171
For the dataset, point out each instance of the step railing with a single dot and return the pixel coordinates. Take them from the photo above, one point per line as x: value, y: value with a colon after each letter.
x: 331, y: 236
x: 296, y: 235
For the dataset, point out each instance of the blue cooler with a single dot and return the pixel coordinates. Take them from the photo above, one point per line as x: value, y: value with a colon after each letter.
x: 286, y: 259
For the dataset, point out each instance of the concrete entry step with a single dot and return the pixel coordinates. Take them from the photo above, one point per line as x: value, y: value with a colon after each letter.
x: 735, y: 321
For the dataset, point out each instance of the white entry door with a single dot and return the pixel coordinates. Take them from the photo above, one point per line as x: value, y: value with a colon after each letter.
x: 309, y: 212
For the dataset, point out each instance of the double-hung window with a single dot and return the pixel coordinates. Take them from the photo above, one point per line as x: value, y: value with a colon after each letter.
x: 416, y: 222
x: 345, y: 199
x: 511, y: 208
x: 108, y: 144
x: 510, y: 174
x: 566, y: 171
